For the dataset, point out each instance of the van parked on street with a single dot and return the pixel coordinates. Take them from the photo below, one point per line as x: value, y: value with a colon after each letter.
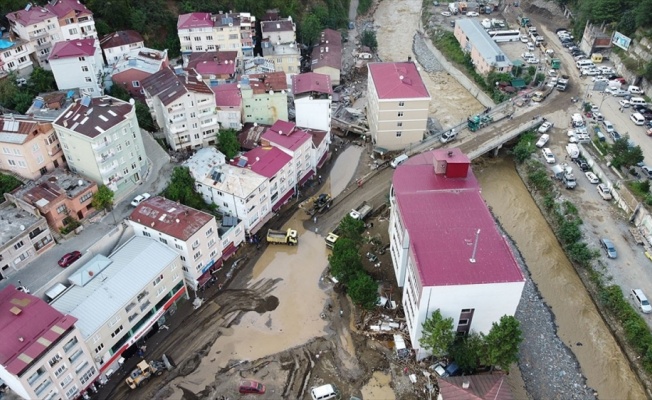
x: 323, y: 392
x: 638, y: 119
x: 637, y: 101
x: 641, y: 301
x: 398, y: 160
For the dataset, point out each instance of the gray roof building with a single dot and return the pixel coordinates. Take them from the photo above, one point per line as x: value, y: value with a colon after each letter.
x: 479, y: 39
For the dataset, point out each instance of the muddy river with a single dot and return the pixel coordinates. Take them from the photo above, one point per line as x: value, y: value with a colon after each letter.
x: 601, y: 360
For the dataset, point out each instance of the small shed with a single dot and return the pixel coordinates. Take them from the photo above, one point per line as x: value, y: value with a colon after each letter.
x: 518, y: 83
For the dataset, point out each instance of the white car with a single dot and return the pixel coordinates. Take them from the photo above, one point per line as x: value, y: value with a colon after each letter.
x: 604, y: 191
x: 624, y: 103
x: 523, y: 39
x: 598, y: 116
x: 573, y: 139
x: 599, y: 79
x: 543, y: 140
x: 545, y: 127
x: 547, y: 154
x: 592, y: 178
x: 140, y: 198
x: 446, y: 13
x: 527, y: 55
x: 532, y: 60
x: 472, y: 14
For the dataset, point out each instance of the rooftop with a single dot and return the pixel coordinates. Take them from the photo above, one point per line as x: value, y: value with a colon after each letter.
x: 93, y: 116
x: 481, y: 387
x: 271, y: 48
x: 214, y: 62
x: 170, y: 217
x: 30, y: 15
x: 15, y: 222
x: 483, y: 43
x: 195, y: 20
x: 49, y: 106
x: 104, y: 286
x: 263, y: 83
x: 249, y: 136
x: 19, y: 130
x: 227, y: 95
x: 203, y: 162
x: 400, y: 80
x: 120, y: 38
x: 328, y: 52
x: 169, y: 86
x: 28, y: 327
x: 143, y: 59
x: 63, y: 8
x: 286, y: 135
x: 73, y: 48
x: 239, y: 182
x: 282, y: 25
x: 311, y: 82
x: 438, y: 209
x: 51, y: 186
x: 266, y: 161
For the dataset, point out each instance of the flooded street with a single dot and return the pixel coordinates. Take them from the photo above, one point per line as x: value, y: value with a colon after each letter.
x: 580, y: 326
x: 343, y: 170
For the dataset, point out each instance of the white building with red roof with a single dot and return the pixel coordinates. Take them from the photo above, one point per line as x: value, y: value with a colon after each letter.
x: 264, y: 97
x: 228, y: 103
x: 397, y: 105
x: 277, y: 167
x: 78, y: 64
x: 295, y: 142
x: 446, y: 250
x: 313, y: 95
x: 116, y: 45
x: 43, y: 354
x: 214, y: 67
x: 135, y: 66
x: 39, y: 28
x: 76, y: 21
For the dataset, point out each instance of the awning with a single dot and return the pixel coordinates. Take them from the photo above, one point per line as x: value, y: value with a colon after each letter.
x: 305, y: 178
x: 323, y: 160
x: 203, y: 279
x: 285, y: 198
x: 228, y: 251
x: 380, y: 150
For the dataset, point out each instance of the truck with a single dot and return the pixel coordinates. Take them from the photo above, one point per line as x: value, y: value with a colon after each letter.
x: 562, y: 83
x: 540, y: 95
x: 569, y: 179
x: 555, y: 63
x: 452, y: 8
x: 330, y: 239
x: 362, y: 212
x: 289, y: 237
x: 144, y: 370
x: 320, y: 204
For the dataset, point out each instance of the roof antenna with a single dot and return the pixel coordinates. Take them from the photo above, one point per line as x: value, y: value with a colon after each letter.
x: 475, y: 247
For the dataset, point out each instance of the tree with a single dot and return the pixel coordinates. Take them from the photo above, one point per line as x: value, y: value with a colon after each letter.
x: 437, y: 334
x: 41, y: 81
x: 7, y: 184
x: 182, y: 189
x: 145, y: 120
x: 466, y: 352
x: 524, y: 148
x: 103, y: 198
x: 227, y: 143
x: 625, y: 155
x: 310, y: 29
x: 369, y: 39
x: 351, y: 228
x: 8, y: 91
x: 119, y: 92
x: 363, y: 290
x: 501, y: 343
x: 345, y: 260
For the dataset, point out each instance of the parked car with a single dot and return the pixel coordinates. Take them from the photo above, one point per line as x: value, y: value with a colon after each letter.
x: 548, y: 156
x: 446, y: 13
x: 608, y: 126
x: 647, y: 171
x: 543, y: 140
x: 140, y: 198
x: 251, y: 387
x: 523, y: 39
x: 624, y: 103
x: 545, y: 127
x: 609, y: 247
x: 634, y: 90
x: 592, y: 177
x: 69, y: 258
x: 615, y: 135
x: 598, y: 116
x: 604, y: 191
x: 641, y: 301
x: 472, y: 14
x: 599, y: 79
x: 581, y: 162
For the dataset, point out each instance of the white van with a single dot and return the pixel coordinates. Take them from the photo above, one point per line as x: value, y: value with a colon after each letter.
x: 637, y: 118
x: 530, y: 46
x: 584, y: 63
x: 641, y: 301
x: 398, y: 160
x: 637, y: 101
x: 323, y: 392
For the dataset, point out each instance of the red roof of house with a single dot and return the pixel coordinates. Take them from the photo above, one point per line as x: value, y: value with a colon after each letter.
x: 27, y: 326
x: 227, y: 95
x: 443, y: 216
x: 311, y: 82
x: 170, y: 217
x: 213, y: 62
x: 120, y: 38
x: 328, y: 52
x: 286, y: 135
x: 73, y: 48
x: 481, y: 387
x: 194, y: 20
x: 32, y: 16
x: 63, y: 8
x: 400, y: 80
x: 267, y: 161
x: 262, y: 83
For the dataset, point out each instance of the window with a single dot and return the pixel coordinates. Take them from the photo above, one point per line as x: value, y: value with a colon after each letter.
x: 86, y: 197
x: 62, y: 368
x: 197, y: 255
x: 132, y: 317
x: 213, y: 253
x: 22, y: 164
x: 163, y: 240
x: 99, y: 348
x: 88, y: 79
x: 40, y: 159
x: 195, y: 244
x: 84, y: 68
x: 82, y: 58
x: 182, y: 258
x: 399, y: 124
x: 157, y: 280
x: 211, y: 243
x: 198, y: 48
x: 114, y: 320
x: 116, y: 332
x: 87, y: 376
x: 401, y: 104
x: 209, y: 37
x: 12, y: 162
x: 54, y: 360
x: 70, y: 344
x: 6, y: 150
x: 41, y: 388
x: 72, y: 392
x: 76, y: 355
x: 18, y: 245
x: 17, y: 152
x: 147, y: 234
x: 463, y: 322
x: 160, y: 290
x: 62, y: 209
x: 135, y: 83
x: 142, y: 295
x: 399, y: 133
x: 400, y: 113
x: 130, y: 306
x: 39, y: 372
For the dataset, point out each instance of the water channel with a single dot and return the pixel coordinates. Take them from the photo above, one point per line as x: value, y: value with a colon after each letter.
x: 601, y: 360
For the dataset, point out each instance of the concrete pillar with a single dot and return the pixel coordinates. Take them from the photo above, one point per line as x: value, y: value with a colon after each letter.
x: 496, y: 150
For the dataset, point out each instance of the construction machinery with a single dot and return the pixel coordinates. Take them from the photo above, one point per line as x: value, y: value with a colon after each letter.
x: 289, y: 237
x: 320, y: 204
x: 144, y: 370
x: 524, y: 21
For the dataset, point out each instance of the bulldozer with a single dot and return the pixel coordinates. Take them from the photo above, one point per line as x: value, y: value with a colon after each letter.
x: 320, y: 204
x: 144, y: 370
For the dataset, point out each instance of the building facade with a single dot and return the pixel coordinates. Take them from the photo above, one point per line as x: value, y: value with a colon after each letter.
x: 276, y: 166
x: 327, y: 55
x: 118, y: 44
x: 39, y: 27
x: 472, y: 278
x: 264, y: 98
x: 15, y: 56
x: 228, y: 102
x: 30, y: 147
x: 199, y: 32
x: 42, y: 355
x: 295, y: 142
x: 101, y: 140
x: 313, y: 95
x: 486, y: 55
x: 76, y: 21
x: 78, y: 64
x: 279, y: 45
x: 397, y: 105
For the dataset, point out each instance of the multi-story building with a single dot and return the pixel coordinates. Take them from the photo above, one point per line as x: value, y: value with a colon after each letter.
x: 312, y: 100
x: 327, y: 55
x: 135, y: 66
x: 30, y: 147
x: 191, y: 233
x: 295, y: 142
x: 102, y: 141
x: 58, y: 196
x: 486, y: 55
x: 42, y: 354
x: 472, y: 276
x: 39, y: 27
x: 228, y: 103
x: 264, y: 97
x: 78, y: 64
x: 118, y: 299
x: 118, y: 44
x: 279, y: 45
x: 15, y: 56
x: 214, y: 67
x: 184, y: 107
x: 24, y: 237
x: 397, y: 105
x: 76, y: 21
x: 276, y: 166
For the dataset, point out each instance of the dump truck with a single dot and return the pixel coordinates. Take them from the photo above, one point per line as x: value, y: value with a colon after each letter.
x: 289, y: 237
x: 562, y: 83
x: 144, y: 370
x: 540, y: 95
x: 362, y: 212
x: 330, y: 239
x: 320, y: 204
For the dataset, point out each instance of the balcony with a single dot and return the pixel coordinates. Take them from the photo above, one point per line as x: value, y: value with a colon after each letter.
x: 178, y: 129
x: 43, y: 46
x: 101, y: 144
x: 38, y: 34
x: 178, y: 119
x: 104, y: 157
x: 108, y: 168
x: 208, y: 122
x: 206, y: 111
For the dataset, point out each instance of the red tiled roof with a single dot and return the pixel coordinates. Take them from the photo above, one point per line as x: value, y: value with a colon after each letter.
x: 481, y: 387
x: 317, y: 137
x: 227, y: 95
x: 32, y: 16
x: 169, y: 87
x: 450, y: 211
x: 120, y: 38
x: 328, y: 52
x: 311, y: 82
x: 64, y: 7
x: 249, y: 136
x: 194, y: 20
x: 213, y: 62
x: 24, y: 319
x: 73, y: 48
x: 107, y: 112
x: 286, y: 135
x: 267, y: 161
x: 400, y: 80
x: 262, y: 83
x: 170, y: 217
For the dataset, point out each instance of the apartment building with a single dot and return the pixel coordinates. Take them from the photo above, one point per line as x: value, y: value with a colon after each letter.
x: 228, y: 102
x: 49, y: 106
x: 397, y: 105
x: 327, y: 55
x: 214, y: 67
x: 279, y: 45
x: 191, y: 233
x: 15, y: 56
x: 313, y: 96
x: 59, y: 196
x: 118, y: 44
x: 184, y: 107
x: 39, y: 27
x: 135, y: 66
x: 118, y: 299
x: 276, y: 166
x: 30, y: 147
x: 295, y: 142
x: 78, y: 64
x: 264, y: 97
x: 76, y: 21
x: 42, y: 354
x: 102, y: 141
x: 24, y: 237
x: 486, y: 55
x: 474, y: 278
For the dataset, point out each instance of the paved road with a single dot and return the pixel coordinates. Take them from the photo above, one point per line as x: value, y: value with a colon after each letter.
x: 100, y: 236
